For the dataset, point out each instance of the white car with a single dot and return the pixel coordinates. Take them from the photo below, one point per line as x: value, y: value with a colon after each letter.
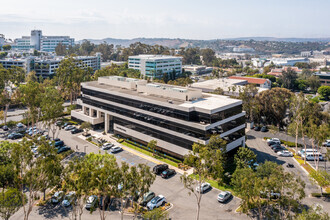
x: 326, y: 143
x: 69, y: 127
x: 69, y: 199
x: 57, y: 197
x: 115, y: 149
x: 224, y: 196
x: 273, y: 141
x: 156, y: 202
x: 285, y: 153
x: 203, y: 188
x: 107, y: 146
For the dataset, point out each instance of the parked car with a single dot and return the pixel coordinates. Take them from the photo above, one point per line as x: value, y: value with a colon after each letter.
x: 273, y: 140
x: 58, y: 144
x: 104, y: 202
x: 290, y: 165
x: 156, y: 202
x: 76, y: 131
x: 91, y: 202
x: 167, y: 173
x: 264, y: 129
x: 115, y: 149
x: 107, y: 146
x: 63, y: 149
x: 5, y: 128
x: 256, y: 128
x: 309, y: 150
x: 66, y: 124
x: 69, y: 199
x: 69, y: 127
x: 224, y: 196
x: 326, y: 143
x: 57, y: 197
x: 14, y: 136
x: 147, y: 197
x: 271, y: 195
x: 285, y: 153
x: 158, y: 169
x: 203, y: 188
x: 278, y: 148
x: 274, y: 145
x: 312, y: 156
x: 20, y: 125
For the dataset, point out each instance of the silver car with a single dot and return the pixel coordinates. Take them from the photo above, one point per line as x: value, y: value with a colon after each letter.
x: 203, y: 188
x: 224, y: 196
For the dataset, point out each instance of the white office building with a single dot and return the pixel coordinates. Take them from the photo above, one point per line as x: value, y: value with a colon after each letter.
x: 39, y: 42
x: 2, y: 40
x: 46, y: 66
x: 176, y: 117
x: 154, y: 66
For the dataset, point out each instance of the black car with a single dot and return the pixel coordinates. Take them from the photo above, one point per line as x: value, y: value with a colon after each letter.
x: 5, y: 128
x: 277, y: 149
x: 257, y: 128
x: 158, y: 169
x: 104, y: 203
x: 275, y: 145
x: 63, y: 149
x: 290, y: 165
x: 167, y: 173
x: 66, y: 124
x: 14, y: 136
x: 264, y: 129
x: 76, y: 131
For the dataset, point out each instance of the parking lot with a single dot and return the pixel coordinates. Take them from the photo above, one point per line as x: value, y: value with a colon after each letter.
x: 184, y: 206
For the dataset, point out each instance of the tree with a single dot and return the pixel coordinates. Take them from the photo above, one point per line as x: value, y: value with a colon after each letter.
x: 60, y: 49
x: 207, y: 162
x: 314, y: 213
x: 152, y: 146
x: 245, y: 158
x: 314, y: 83
x: 86, y: 126
x: 156, y: 214
x: 10, y: 202
x: 250, y: 105
x: 219, y: 91
x: 324, y: 91
x: 288, y: 78
x: 51, y: 108
x: 6, y: 47
x: 321, y: 178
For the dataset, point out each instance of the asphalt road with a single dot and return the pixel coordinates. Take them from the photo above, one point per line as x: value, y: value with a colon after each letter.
x: 265, y: 153
x: 184, y: 206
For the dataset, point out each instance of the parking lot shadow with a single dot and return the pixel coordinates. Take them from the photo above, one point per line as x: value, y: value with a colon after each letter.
x: 50, y: 211
x: 250, y: 137
x: 264, y: 156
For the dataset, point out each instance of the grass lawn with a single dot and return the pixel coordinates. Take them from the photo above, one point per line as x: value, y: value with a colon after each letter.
x: 150, y: 154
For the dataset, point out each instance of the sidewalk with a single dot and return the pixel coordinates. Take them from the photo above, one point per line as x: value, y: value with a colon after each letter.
x: 112, y: 140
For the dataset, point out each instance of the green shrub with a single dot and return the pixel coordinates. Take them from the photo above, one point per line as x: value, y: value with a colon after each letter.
x: 120, y: 140
x: 89, y: 139
x: 11, y: 124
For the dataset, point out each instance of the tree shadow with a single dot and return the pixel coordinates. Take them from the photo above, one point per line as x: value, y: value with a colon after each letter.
x: 50, y: 211
x: 262, y: 157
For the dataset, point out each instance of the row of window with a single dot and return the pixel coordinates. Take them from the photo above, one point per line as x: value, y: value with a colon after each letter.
x: 183, y: 115
x: 173, y: 126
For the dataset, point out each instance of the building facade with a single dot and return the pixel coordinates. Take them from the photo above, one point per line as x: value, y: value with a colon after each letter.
x: 46, y: 66
x: 324, y: 78
x: 39, y: 42
x: 176, y: 117
x: 155, y: 66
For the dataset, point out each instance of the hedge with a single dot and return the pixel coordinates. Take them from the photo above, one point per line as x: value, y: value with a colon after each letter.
x: 327, y: 195
x: 288, y: 143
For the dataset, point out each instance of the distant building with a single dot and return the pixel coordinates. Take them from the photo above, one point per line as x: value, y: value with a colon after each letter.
x: 197, y: 69
x: 46, y: 66
x: 258, y: 62
x: 286, y: 61
x: 2, y: 40
x: 243, y: 50
x: 154, y: 66
x: 306, y: 53
x: 39, y: 42
x: 278, y: 72
x: 324, y: 78
x: 262, y: 83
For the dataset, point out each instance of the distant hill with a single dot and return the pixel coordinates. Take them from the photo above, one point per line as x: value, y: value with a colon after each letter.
x: 262, y: 45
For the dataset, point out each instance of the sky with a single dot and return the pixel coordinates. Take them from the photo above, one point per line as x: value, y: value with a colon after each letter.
x: 190, y: 19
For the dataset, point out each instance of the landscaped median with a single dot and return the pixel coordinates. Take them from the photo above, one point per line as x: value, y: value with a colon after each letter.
x: 166, y: 159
